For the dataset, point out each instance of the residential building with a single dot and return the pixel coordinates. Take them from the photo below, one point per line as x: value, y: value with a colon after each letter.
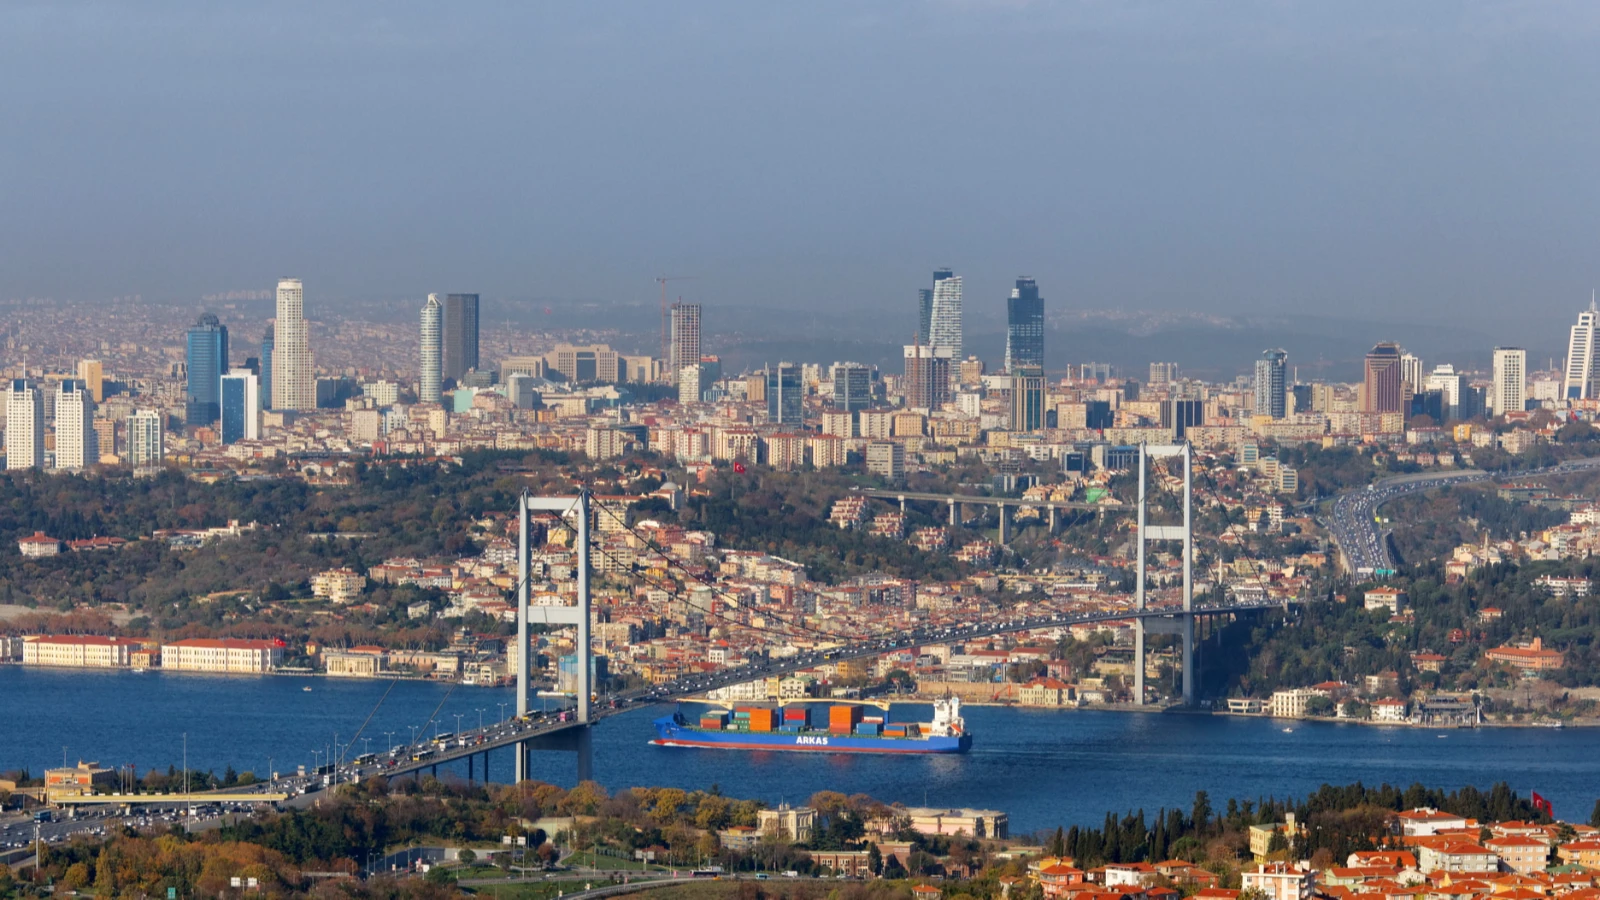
x: 1510, y: 380
x: 24, y: 426
x: 430, y: 370
x: 91, y: 373
x: 1531, y: 658
x: 1047, y: 692
x: 1279, y: 881
x: 87, y: 651
x: 77, y: 445
x: 1162, y: 374
x: 1455, y: 856
x: 1024, y: 327
x: 1271, y: 384
x: 1382, y: 393
x: 207, y: 360
x: 338, y: 585
x: 38, y: 544
x: 1583, y: 357
x: 927, y: 378
x: 1519, y: 853
x: 145, y: 450
x: 1390, y: 598
x: 460, y: 335
x: 685, y: 347
x: 293, y: 384
x: 1427, y: 821
x: 886, y: 458
x: 241, y: 407
x: 221, y: 655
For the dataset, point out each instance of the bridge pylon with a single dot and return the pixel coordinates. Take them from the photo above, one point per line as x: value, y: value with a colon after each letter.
x: 578, y: 615
x: 1185, y: 533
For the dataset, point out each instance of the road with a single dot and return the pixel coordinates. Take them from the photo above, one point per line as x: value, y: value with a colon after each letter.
x: 1353, y: 520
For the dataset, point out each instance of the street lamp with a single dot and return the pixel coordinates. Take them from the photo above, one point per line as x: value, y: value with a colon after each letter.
x: 272, y: 780
x: 480, y: 718
x: 388, y: 736
x: 458, y: 723
x: 413, y: 735
x: 502, y: 712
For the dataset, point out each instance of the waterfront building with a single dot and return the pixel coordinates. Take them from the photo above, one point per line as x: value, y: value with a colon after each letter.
x: 86, y: 651
x: 77, y: 444
x: 460, y: 335
x: 794, y: 824
x: 235, y: 655
x: 1510, y: 380
x: 24, y: 426
x: 430, y: 372
x: 241, y: 407
x: 1024, y: 326
x: 1271, y: 385
x: 293, y: 387
x: 207, y: 360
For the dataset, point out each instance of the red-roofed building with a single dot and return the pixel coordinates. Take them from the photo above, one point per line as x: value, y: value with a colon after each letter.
x: 222, y: 655
x: 1532, y: 658
x: 89, y: 651
x: 1523, y: 855
x: 39, y: 544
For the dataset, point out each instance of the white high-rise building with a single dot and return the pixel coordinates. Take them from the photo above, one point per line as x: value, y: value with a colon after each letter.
x: 1451, y: 385
x: 1410, y: 372
x: 293, y: 386
x: 24, y: 426
x: 144, y: 439
x: 77, y: 446
x: 1583, y: 357
x: 1510, y: 380
x: 944, y: 326
x: 430, y: 377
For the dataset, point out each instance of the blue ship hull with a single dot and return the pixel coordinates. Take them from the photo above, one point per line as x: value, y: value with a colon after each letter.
x: 672, y: 733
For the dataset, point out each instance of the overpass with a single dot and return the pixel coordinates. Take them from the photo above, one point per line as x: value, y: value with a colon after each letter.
x: 1003, y: 505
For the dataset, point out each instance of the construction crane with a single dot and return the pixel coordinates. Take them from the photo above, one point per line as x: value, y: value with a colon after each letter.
x: 665, y: 326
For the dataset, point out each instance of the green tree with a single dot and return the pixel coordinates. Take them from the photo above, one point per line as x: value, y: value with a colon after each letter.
x: 874, y: 859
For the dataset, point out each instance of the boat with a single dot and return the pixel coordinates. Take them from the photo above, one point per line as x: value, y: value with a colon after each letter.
x: 788, y: 726
x: 307, y: 688
x: 1288, y: 731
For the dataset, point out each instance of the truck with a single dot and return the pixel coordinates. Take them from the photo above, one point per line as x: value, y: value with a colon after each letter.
x: 44, y: 815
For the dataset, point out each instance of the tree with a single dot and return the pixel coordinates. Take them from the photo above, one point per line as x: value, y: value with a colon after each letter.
x: 1201, y: 815
x: 1594, y: 817
x: 467, y: 856
x: 874, y: 859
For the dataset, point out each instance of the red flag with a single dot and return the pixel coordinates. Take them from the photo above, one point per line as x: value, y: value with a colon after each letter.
x: 1543, y: 805
x: 738, y: 468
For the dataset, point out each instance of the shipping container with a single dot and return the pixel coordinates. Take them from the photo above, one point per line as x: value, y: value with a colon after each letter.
x: 872, y: 728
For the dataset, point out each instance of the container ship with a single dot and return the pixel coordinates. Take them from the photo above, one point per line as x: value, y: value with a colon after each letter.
x: 813, y: 727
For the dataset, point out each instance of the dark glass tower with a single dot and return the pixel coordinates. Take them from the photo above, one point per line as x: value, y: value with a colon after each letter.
x: 207, y: 362
x: 925, y: 307
x: 268, y: 342
x: 460, y: 334
x: 1025, y: 327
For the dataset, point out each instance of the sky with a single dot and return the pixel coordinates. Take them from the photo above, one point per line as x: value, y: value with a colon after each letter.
x: 1381, y: 160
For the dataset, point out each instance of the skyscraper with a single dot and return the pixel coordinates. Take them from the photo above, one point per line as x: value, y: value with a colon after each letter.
x: 1027, y: 398
x: 927, y: 378
x: 1163, y: 373
x: 1510, y: 380
x: 925, y: 306
x: 430, y: 375
x: 1453, y: 389
x: 1583, y: 357
x: 852, y: 386
x: 241, y: 407
x: 292, y: 384
x: 207, y: 361
x: 685, y: 347
x: 460, y: 334
x: 785, y: 394
x: 24, y: 426
x: 77, y: 446
x: 1411, y: 377
x: 1024, y: 326
x: 1272, y: 393
x: 90, y: 373
x: 269, y: 341
x: 144, y: 439
x: 944, y: 325
x: 1382, y: 382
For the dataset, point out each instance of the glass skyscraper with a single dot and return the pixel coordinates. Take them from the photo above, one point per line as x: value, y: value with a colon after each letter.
x: 268, y: 340
x: 241, y: 407
x: 925, y: 307
x: 1024, y: 327
x: 785, y: 394
x: 1271, y: 389
x: 207, y: 361
x: 460, y: 334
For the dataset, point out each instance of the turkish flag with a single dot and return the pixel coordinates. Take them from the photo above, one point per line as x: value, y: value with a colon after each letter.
x: 1543, y: 805
x: 738, y: 468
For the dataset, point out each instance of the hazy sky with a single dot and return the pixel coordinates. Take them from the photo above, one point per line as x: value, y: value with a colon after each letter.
x: 1400, y: 160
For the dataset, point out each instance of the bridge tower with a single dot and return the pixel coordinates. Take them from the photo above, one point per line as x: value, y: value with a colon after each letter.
x: 578, y: 616
x: 1185, y: 533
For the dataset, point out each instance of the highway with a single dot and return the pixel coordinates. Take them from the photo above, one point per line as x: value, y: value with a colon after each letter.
x: 1365, y: 545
